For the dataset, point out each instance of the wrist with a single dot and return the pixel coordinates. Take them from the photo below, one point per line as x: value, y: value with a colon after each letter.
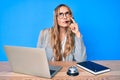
x: 78, y: 35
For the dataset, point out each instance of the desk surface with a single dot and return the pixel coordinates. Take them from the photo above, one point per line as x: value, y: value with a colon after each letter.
x: 7, y: 74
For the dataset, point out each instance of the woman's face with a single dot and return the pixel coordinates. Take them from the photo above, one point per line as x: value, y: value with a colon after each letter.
x: 64, y: 17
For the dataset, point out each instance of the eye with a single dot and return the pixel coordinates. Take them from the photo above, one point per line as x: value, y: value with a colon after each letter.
x: 67, y: 13
x: 60, y: 14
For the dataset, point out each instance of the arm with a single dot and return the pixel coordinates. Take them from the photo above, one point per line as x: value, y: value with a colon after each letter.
x: 79, y: 53
x: 79, y: 50
x: 42, y: 39
x: 43, y: 42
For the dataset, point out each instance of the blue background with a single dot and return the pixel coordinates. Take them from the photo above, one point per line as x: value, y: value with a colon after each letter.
x: 98, y: 20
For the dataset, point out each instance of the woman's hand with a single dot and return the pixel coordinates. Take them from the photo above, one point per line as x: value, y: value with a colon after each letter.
x: 74, y: 28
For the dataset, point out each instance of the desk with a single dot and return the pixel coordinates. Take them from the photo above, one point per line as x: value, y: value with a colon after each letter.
x: 7, y: 74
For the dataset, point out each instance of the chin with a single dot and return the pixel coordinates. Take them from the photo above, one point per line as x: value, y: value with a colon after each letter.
x: 65, y: 25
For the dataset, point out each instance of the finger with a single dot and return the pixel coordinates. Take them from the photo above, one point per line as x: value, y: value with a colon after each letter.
x: 71, y: 25
x: 72, y: 20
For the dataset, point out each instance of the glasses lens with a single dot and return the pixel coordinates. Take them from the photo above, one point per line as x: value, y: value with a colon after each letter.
x: 61, y: 15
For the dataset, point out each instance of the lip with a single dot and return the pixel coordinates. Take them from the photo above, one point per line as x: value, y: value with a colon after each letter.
x: 65, y: 21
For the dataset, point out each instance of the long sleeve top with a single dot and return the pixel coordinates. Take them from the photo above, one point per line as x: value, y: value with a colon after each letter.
x: 78, y: 54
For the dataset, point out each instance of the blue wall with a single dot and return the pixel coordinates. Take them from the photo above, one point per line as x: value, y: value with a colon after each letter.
x: 99, y: 22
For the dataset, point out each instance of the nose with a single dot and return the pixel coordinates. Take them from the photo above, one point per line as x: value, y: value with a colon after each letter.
x: 64, y: 16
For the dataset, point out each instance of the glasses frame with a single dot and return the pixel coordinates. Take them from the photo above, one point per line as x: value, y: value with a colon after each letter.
x: 61, y: 14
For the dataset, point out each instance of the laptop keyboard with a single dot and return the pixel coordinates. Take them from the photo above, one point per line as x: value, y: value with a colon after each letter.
x: 52, y: 71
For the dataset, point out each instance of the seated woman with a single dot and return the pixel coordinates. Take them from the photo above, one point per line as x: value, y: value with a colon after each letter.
x: 63, y: 41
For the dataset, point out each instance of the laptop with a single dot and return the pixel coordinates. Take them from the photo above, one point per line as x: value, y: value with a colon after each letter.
x: 31, y: 61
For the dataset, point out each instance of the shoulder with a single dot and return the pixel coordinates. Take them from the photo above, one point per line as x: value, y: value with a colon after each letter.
x: 45, y: 34
x: 45, y: 31
x: 43, y: 37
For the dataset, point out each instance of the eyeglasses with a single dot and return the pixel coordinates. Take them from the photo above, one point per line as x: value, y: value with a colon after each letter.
x: 61, y: 15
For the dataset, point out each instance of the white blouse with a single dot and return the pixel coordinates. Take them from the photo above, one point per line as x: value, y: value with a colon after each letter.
x: 63, y: 47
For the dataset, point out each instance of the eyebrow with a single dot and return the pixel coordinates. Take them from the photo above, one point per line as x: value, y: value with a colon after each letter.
x: 65, y: 12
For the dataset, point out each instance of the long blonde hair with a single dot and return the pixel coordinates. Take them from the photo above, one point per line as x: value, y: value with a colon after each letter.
x: 55, y: 39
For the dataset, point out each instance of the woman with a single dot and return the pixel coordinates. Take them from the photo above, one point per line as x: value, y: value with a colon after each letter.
x: 63, y: 42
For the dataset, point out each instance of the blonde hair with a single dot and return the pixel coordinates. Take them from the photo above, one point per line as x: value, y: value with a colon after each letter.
x: 55, y: 39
